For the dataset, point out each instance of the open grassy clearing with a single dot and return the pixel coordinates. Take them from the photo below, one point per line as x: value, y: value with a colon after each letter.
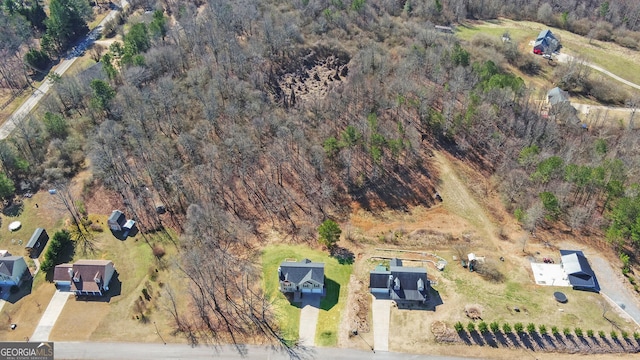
x: 471, y: 217
x: 137, y: 269
x: 48, y: 214
x: 612, y: 57
x: 336, y: 280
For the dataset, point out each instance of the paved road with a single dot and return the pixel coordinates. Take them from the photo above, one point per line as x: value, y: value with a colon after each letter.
x: 50, y: 316
x: 610, y: 285
x: 309, y: 319
x: 144, y: 351
x: 562, y: 57
x: 381, y: 314
x: 21, y: 113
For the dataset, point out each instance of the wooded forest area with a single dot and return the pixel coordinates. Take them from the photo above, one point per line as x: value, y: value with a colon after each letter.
x: 245, y: 116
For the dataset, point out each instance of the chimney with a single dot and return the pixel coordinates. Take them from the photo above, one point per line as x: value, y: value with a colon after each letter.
x: 70, y: 272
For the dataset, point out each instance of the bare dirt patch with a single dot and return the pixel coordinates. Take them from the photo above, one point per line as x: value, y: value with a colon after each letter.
x: 307, y: 74
x: 471, y: 218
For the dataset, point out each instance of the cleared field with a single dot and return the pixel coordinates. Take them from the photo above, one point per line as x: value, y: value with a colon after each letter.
x: 612, y: 57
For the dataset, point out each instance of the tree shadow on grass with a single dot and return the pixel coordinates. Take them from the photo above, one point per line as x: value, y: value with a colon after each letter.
x: 332, y: 292
x: 14, y: 209
x: 549, y: 340
x: 477, y: 338
x: 514, y: 339
x: 526, y: 341
x: 489, y: 339
x: 538, y: 340
x: 501, y: 339
x: 464, y: 337
x: 343, y: 255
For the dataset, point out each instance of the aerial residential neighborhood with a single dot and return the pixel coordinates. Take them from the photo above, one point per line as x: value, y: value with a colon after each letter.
x: 320, y: 179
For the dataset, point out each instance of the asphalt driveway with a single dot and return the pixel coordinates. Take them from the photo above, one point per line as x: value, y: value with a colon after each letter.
x: 381, y: 312
x: 50, y: 316
x: 610, y: 285
x: 309, y: 319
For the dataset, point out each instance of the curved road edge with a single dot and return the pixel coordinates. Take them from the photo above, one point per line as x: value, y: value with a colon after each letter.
x: 21, y: 113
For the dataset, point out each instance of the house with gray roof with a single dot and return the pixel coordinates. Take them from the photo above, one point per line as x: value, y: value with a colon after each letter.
x: 578, y: 270
x: 300, y: 277
x: 545, y: 43
x: 399, y: 283
x: 13, y: 270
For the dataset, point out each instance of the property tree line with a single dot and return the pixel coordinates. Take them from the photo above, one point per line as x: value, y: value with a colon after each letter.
x: 186, y: 116
x: 541, y: 337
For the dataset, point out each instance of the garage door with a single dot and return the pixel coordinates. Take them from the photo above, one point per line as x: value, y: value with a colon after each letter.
x: 317, y: 291
x: 306, y: 290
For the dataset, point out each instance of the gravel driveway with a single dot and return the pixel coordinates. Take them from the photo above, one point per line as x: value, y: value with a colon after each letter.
x: 309, y: 319
x: 381, y: 313
x: 611, y: 285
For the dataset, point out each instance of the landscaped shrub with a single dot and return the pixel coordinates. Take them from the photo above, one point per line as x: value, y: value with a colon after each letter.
x: 601, y: 334
x: 542, y: 329
x: 483, y: 327
x: 590, y: 333
x: 554, y: 330
x: 614, y: 334
x: 566, y: 331
x: 531, y: 328
x: 506, y: 328
x: 471, y: 326
x: 578, y: 332
x: 625, y: 334
x: 458, y: 326
x: 495, y: 327
x: 53, y: 256
x: 518, y: 327
x: 636, y: 335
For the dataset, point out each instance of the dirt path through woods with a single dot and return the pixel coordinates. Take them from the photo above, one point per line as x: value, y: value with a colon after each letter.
x: 458, y: 199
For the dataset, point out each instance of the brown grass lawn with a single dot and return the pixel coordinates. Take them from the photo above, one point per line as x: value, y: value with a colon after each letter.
x: 48, y: 215
x: 26, y: 311
x: 471, y: 216
x: 115, y: 320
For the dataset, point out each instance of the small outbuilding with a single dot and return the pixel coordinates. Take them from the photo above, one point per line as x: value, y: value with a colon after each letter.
x: 37, y: 242
x: 578, y: 270
x: 116, y: 220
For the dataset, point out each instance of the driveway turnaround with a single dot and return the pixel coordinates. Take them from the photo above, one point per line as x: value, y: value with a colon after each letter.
x: 610, y: 285
x: 381, y: 309
x: 309, y: 319
x: 50, y: 316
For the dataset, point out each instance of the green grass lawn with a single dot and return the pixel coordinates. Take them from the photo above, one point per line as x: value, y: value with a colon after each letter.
x: 612, y: 57
x: 536, y: 303
x: 331, y: 306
